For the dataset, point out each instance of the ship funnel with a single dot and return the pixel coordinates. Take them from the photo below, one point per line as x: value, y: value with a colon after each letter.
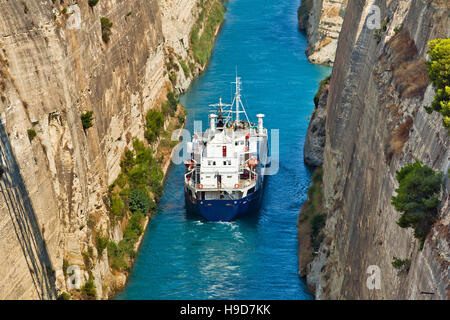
x: 260, y: 123
x: 212, y: 121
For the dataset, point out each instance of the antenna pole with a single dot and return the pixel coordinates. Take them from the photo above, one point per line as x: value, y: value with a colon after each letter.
x: 238, y: 97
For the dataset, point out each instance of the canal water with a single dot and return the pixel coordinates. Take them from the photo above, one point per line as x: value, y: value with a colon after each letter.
x: 185, y: 257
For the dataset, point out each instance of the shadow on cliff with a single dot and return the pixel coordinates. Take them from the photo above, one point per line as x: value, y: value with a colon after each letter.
x: 24, y: 220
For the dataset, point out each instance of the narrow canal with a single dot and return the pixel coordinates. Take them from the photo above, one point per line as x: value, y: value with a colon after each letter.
x: 185, y: 257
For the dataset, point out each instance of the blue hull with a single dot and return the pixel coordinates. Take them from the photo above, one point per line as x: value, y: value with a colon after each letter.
x: 224, y: 210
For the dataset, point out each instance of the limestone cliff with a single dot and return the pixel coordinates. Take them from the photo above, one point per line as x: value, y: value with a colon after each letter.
x: 55, y: 175
x: 375, y: 125
x: 322, y: 22
x: 315, y: 135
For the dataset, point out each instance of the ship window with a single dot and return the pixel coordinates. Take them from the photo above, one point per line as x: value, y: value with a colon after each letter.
x: 229, y: 162
x: 236, y: 143
x: 207, y: 177
x: 209, y: 163
x: 229, y: 177
x: 214, y: 163
x: 242, y: 142
x: 224, y: 163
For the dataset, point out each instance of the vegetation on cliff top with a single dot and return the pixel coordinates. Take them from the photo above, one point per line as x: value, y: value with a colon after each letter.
x: 438, y: 67
x: 203, y: 33
x: 418, y: 198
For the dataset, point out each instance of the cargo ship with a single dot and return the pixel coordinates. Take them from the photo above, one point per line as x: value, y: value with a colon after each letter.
x: 224, y: 176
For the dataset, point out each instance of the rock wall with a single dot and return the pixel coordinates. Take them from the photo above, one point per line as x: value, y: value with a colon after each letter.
x: 376, y: 124
x: 50, y: 73
x: 315, y: 135
x: 322, y: 22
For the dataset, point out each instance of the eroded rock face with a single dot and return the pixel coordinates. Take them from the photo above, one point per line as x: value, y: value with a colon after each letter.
x: 374, y: 96
x: 322, y: 22
x: 315, y: 136
x: 56, y: 181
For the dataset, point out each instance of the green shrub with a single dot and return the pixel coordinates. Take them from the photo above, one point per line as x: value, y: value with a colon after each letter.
x: 128, y: 161
x: 87, y: 260
x: 89, y: 288
x: 64, y: 296
x: 153, y: 125
x: 417, y: 197
x: 402, y: 265
x: 31, y: 134
x: 322, y: 84
x: 439, y: 74
x: 116, y: 257
x: 139, y: 201
x: 134, y: 227
x: 173, y: 78
x: 117, y: 205
x: 92, y: 3
x: 398, y: 28
x: 86, y: 119
x: 101, y: 243
x: 91, y: 223
x: 106, y: 29
x: 185, y: 68
x: 173, y: 101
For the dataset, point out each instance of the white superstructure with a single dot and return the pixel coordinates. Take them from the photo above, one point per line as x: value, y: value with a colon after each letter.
x: 226, y: 159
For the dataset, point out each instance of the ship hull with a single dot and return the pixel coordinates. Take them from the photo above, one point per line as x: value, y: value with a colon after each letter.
x: 224, y: 210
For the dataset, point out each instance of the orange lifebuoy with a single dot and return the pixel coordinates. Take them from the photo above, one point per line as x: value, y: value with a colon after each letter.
x: 200, y: 186
x: 236, y: 186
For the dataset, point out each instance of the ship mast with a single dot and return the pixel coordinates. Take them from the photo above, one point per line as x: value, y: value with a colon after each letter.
x: 237, y: 100
x: 238, y: 96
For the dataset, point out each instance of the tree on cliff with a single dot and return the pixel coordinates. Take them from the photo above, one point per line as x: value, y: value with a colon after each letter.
x: 438, y: 67
x: 417, y: 197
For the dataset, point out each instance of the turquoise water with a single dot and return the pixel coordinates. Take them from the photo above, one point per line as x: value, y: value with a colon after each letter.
x: 184, y: 257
